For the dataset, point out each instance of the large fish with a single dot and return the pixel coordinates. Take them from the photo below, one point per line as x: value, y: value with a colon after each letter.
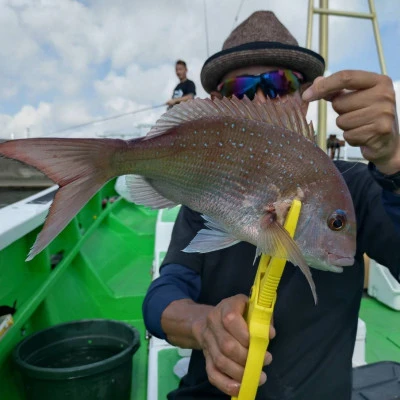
x: 238, y: 162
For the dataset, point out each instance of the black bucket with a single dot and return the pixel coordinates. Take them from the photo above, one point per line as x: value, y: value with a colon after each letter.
x: 80, y: 360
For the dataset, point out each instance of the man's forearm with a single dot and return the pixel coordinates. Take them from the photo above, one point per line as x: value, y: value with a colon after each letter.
x: 181, y: 319
x: 186, y: 97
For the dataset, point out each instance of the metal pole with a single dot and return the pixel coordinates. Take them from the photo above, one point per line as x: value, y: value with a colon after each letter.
x: 206, y: 28
x: 343, y: 13
x: 377, y: 37
x: 323, y: 50
x: 309, y: 23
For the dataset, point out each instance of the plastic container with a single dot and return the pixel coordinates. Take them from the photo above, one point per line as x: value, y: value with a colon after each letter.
x: 378, y: 381
x: 359, y: 347
x: 87, y: 359
x: 383, y: 286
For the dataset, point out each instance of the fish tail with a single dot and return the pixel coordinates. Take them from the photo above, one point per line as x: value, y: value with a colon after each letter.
x: 79, y: 166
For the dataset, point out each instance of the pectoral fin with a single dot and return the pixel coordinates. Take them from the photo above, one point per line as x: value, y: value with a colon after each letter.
x: 276, y: 242
x: 212, y: 239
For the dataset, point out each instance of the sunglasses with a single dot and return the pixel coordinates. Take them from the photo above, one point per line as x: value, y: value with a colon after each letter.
x: 272, y: 84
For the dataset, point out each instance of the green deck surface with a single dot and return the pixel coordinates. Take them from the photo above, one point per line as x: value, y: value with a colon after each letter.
x: 167, y: 380
x: 104, y: 273
x: 383, y: 331
x: 169, y: 215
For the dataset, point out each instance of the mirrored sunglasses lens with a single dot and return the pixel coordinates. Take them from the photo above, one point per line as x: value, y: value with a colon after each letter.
x: 280, y: 82
x: 240, y: 86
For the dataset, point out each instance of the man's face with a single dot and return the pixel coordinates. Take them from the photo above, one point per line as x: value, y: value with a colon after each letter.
x: 180, y: 71
x: 259, y: 69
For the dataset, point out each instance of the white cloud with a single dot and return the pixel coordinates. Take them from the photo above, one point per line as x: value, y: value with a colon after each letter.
x: 72, y: 113
x: 68, y: 62
x: 20, y: 124
x: 148, y: 86
x: 43, y: 119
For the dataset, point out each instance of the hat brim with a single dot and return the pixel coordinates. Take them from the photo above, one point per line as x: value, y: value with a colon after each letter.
x: 299, y: 59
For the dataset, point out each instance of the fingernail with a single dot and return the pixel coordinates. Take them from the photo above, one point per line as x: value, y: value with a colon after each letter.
x: 268, y: 359
x: 308, y: 94
x: 233, y: 388
x: 263, y: 378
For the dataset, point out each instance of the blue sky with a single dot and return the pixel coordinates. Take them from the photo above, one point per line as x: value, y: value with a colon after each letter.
x: 69, y: 61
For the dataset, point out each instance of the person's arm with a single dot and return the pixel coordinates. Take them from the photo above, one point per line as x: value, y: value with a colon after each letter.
x: 176, y: 282
x: 178, y: 321
x: 176, y: 100
x: 188, y: 94
x: 219, y: 331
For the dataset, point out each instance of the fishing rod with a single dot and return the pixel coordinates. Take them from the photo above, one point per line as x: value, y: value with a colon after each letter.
x: 107, y: 119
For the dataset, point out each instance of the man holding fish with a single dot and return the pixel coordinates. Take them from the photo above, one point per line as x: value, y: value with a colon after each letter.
x: 199, y: 300
x: 236, y: 163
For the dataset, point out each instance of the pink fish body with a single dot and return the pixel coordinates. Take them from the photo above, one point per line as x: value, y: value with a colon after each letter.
x: 239, y: 163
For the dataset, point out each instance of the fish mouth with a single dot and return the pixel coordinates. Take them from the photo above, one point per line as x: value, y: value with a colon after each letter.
x: 332, y: 262
x: 322, y: 265
x: 340, y: 261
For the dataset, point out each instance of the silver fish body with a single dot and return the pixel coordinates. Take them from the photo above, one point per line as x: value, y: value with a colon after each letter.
x: 239, y: 163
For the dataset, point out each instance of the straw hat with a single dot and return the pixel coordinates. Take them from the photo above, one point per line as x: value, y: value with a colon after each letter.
x: 260, y: 40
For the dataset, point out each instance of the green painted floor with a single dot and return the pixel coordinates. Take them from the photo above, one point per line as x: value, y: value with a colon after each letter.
x: 167, y: 380
x: 383, y: 331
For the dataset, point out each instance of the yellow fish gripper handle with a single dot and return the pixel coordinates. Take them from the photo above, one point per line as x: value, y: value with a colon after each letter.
x: 260, y: 309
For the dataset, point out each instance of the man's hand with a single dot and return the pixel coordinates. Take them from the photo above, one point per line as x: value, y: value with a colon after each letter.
x: 224, y: 338
x: 366, y: 104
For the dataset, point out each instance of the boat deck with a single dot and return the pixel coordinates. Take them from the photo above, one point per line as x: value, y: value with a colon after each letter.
x: 100, y: 267
x: 383, y: 331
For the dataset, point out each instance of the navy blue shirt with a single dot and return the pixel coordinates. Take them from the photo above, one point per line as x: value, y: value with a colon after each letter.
x: 391, y: 202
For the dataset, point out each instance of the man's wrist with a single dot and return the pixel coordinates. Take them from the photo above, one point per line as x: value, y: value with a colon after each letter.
x: 389, y: 182
x: 198, y: 327
x: 182, y: 322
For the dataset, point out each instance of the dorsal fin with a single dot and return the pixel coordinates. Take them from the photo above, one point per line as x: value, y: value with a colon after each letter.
x: 278, y: 112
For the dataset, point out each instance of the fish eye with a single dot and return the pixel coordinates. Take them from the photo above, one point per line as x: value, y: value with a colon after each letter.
x: 337, y: 220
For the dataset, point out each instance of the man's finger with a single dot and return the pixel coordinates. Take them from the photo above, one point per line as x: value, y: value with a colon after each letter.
x: 267, y: 358
x: 327, y: 87
x: 221, y: 381
x: 356, y: 119
x: 352, y: 101
x: 230, y: 347
x: 272, y: 331
x: 225, y: 364
x: 233, y: 321
x: 361, y: 136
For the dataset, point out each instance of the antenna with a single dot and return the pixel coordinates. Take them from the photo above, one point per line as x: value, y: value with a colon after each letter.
x: 237, y: 14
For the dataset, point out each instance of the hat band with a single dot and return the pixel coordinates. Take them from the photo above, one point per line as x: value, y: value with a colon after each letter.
x: 264, y: 45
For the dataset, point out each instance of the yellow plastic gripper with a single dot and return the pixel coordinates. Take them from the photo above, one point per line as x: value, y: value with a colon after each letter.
x: 260, y: 309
